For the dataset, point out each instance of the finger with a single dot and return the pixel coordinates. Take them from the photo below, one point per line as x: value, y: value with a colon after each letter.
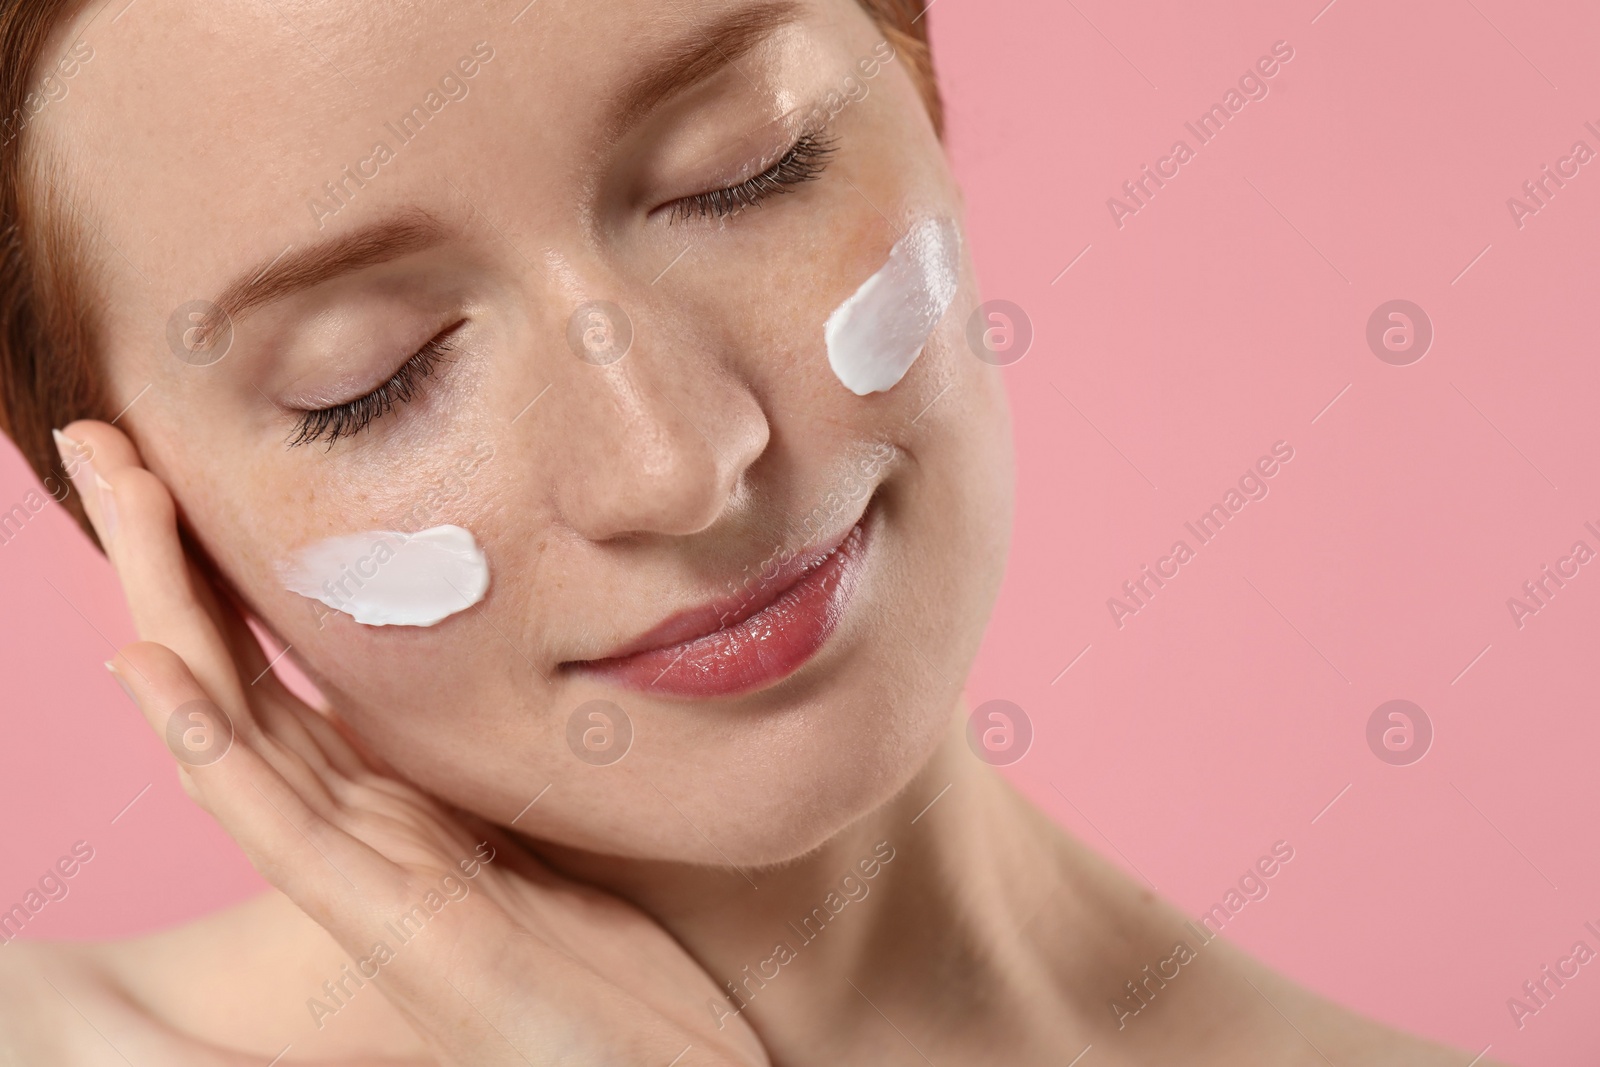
x: 106, y: 449
x: 279, y: 711
x: 138, y: 525
x: 136, y: 520
x: 336, y: 749
x: 299, y: 850
x: 229, y: 614
x: 80, y: 444
x: 174, y: 602
x: 115, y: 453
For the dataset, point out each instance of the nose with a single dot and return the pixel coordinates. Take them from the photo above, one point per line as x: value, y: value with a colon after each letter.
x: 659, y: 431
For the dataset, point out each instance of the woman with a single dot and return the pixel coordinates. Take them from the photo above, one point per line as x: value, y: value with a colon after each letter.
x: 581, y: 396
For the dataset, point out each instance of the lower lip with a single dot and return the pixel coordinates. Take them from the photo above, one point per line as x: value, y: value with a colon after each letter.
x: 760, y: 651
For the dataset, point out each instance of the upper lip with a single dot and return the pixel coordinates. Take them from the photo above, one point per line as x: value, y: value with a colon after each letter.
x: 772, y: 580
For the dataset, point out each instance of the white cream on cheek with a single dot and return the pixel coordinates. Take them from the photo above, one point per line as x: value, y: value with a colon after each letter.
x: 384, y: 578
x: 879, y: 331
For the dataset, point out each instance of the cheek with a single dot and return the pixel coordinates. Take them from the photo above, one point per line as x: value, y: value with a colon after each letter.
x: 879, y: 330
x: 829, y: 317
x: 391, y: 577
x: 280, y: 538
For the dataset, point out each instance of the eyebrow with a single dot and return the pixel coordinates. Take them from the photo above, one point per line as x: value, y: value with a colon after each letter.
x: 297, y: 269
x: 682, y: 65
x: 694, y: 58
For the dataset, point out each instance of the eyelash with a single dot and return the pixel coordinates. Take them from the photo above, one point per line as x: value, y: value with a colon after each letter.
x: 804, y: 162
x: 353, y: 416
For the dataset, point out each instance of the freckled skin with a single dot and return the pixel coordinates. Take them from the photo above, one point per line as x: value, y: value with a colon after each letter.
x: 624, y: 494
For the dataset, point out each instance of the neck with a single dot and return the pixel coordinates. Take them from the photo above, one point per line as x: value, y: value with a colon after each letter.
x: 901, y: 916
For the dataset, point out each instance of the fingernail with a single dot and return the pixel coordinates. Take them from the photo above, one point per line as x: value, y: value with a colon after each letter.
x: 126, y: 688
x: 108, y: 506
x: 72, y: 452
x: 75, y: 459
x: 66, y: 446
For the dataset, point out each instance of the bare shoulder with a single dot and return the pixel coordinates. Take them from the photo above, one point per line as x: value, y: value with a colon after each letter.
x: 1204, y: 1001
x: 1161, y: 988
x: 1330, y: 1031
x: 230, y: 989
x: 46, y: 989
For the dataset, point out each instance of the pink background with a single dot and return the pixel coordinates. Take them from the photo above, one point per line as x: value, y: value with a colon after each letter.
x: 1222, y: 317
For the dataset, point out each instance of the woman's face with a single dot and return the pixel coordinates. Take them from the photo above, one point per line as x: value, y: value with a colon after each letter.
x: 356, y: 181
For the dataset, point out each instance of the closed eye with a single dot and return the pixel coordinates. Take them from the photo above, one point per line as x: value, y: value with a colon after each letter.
x: 805, y: 161
x: 353, y: 416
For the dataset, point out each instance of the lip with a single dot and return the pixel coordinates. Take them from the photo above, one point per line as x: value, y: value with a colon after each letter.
x: 736, y: 645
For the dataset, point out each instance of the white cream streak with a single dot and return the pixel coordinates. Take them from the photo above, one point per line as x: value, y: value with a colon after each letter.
x: 385, y: 578
x: 877, y: 334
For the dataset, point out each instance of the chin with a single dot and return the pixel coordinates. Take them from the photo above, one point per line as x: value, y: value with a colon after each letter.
x: 724, y: 786
x: 815, y: 792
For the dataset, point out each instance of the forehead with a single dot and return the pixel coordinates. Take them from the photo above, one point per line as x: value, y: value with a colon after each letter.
x: 183, y: 99
x: 200, y: 131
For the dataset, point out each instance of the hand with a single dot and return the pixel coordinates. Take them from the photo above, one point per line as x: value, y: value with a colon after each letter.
x: 522, y: 967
